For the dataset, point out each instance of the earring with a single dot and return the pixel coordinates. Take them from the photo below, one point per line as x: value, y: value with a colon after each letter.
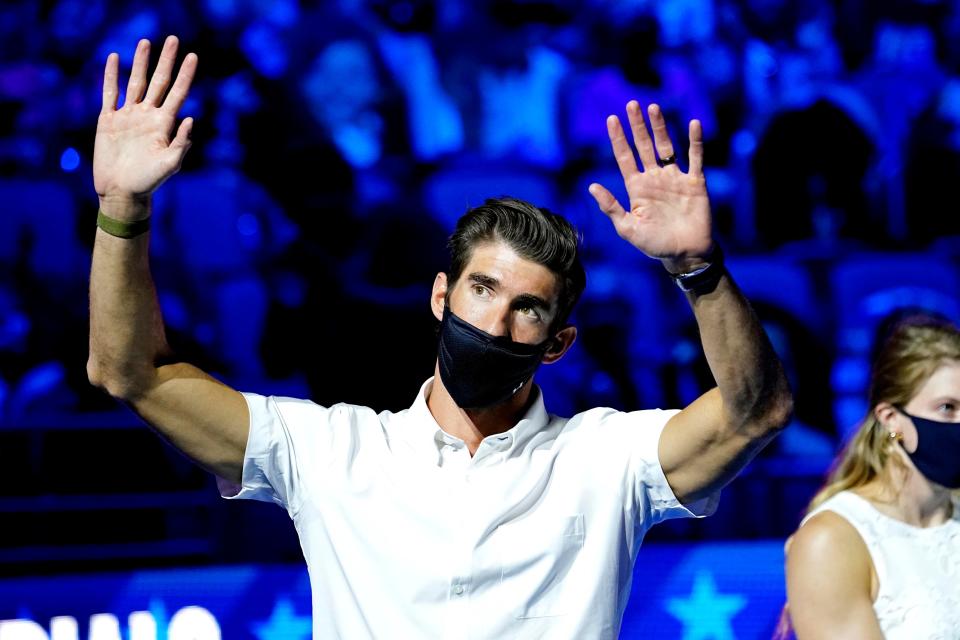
x: 896, y: 436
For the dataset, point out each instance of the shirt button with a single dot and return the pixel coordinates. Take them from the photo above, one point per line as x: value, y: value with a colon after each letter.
x: 458, y: 589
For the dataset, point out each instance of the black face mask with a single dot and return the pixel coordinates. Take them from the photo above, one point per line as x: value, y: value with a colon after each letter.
x: 480, y: 370
x: 938, y: 450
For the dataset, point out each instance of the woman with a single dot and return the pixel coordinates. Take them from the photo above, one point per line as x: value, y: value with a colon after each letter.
x: 878, y: 555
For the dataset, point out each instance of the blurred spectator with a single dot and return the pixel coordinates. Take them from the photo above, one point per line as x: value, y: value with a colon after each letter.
x: 342, y: 90
x: 435, y: 124
x: 810, y: 436
x: 218, y: 231
x: 932, y: 165
x: 806, y: 192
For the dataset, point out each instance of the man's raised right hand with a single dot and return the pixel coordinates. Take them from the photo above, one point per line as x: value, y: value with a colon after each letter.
x: 134, y: 153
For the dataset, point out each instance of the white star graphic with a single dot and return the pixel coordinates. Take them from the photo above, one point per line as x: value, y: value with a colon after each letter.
x: 283, y: 624
x: 706, y: 614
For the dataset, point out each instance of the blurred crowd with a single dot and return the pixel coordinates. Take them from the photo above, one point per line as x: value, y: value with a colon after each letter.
x: 337, y: 142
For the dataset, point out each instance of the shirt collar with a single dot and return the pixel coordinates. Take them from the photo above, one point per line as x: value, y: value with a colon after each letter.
x: 423, y: 431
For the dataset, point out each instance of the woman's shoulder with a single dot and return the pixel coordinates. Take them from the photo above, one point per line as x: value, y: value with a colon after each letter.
x: 830, y: 579
x: 853, y: 505
x: 826, y: 531
x: 827, y: 546
x: 832, y: 533
x: 835, y: 541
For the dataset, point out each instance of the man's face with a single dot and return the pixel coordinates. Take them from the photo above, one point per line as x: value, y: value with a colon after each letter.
x: 503, y: 294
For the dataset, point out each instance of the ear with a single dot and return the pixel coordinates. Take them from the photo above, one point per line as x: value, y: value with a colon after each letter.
x: 439, y: 295
x: 562, y: 342
x: 888, y: 416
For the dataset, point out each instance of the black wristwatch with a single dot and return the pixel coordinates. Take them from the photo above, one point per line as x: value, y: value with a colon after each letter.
x: 705, y: 279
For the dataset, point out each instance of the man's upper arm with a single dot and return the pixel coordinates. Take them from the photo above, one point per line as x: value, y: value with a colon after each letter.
x: 700, y: 451
x: 829, y: 581
x: 202, y: 417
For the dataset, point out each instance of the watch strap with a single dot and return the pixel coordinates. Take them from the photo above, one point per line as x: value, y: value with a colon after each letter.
x: 704, y: 279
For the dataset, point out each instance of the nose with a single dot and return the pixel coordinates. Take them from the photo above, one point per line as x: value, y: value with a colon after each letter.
x: 497, y: 322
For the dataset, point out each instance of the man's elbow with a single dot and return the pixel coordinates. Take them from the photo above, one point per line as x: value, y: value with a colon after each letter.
x: 782, y: 412
x: 122, y: 386
x: 765, y: 416
x: 775, y: 414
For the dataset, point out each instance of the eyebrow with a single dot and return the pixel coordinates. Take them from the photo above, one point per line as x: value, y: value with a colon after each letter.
x: 484, y: 279
x: 530, y: 300
x: 522, y: 300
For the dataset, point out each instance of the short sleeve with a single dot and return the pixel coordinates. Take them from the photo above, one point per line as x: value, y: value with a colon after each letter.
x: 279, y: 428
x: 655, y: 499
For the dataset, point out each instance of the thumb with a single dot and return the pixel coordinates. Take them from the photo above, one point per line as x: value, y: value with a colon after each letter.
x: 181, y: 142
x: 606, y: 201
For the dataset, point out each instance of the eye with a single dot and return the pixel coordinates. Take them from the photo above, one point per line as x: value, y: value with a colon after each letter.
x: 947, y: 407
x: 529, y: 312
x: 480, y: 291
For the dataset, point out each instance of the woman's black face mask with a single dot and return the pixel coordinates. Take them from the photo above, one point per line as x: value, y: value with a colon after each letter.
x: 938, y: 450
x: 480, y: 370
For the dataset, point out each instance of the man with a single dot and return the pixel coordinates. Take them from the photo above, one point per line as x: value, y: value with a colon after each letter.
x: 474, y: 513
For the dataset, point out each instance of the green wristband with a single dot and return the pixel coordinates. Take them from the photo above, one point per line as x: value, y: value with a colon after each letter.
x: 122, y: 229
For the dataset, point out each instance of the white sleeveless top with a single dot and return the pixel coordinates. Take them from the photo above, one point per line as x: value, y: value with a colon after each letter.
x: 918, y: 569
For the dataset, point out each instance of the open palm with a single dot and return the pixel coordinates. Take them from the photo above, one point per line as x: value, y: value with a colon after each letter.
x: 669, y: 215
x: 133, y: 153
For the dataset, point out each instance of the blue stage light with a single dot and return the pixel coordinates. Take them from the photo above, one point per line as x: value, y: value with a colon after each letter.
x: 69, y: 159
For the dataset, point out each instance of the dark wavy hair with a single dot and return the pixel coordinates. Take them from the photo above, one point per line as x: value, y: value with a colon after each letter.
x: 535, y: 233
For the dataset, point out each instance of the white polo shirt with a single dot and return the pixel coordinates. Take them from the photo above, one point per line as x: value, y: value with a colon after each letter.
x: 407, y: 536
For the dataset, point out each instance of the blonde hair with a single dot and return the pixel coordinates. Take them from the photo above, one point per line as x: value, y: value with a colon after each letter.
x: 915, y: 348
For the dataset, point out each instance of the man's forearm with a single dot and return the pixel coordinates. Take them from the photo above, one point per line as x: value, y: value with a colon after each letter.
x: 126, y: 329
x: 745, y: 367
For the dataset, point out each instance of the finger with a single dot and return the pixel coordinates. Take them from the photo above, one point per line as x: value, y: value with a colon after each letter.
x: 641, y: 137
x: 181, y: 86
x: 161, y: 75
x: 181, y: 142
x: 110, y: 89
x: 696, y: 148
x: 660, y: 136
x: 138, y: 74
x: 621, y: 148
x: 607, y: 202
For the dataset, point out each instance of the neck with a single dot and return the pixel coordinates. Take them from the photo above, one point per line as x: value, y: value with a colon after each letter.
x: 473, y: 425
x: 910, y: 497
